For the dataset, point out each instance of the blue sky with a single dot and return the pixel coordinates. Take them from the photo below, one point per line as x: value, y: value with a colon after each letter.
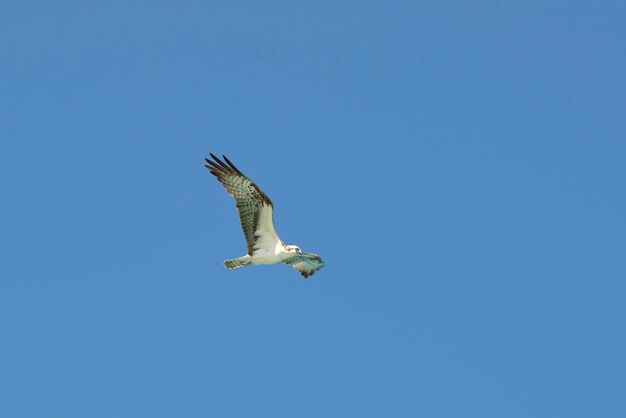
x: 459, y: 166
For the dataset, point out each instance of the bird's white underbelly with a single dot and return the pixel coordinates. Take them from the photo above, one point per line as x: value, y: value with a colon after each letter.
x: 269, y: 255
x: 269, y: 248
x: 265, y: 259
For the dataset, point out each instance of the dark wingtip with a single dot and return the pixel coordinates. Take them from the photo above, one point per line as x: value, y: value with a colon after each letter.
x: 232, y: 165
x: 215, y: 166
x: 212, y: 171
x: 220, y: 162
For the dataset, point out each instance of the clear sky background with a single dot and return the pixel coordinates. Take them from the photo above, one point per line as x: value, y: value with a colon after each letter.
x: 460, y: 167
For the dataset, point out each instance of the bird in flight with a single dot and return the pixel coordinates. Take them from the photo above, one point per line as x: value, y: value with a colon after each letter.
x: 256, y: 218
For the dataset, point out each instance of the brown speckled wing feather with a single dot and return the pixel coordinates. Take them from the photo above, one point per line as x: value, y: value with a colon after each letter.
x: 306, y: 263
x: 248, y: 196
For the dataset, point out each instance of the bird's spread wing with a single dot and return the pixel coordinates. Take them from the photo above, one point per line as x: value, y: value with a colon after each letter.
x: 305, y: 263
x: 254, y: 207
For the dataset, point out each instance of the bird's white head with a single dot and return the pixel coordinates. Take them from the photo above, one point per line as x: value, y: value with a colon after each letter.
x: 293, y: 249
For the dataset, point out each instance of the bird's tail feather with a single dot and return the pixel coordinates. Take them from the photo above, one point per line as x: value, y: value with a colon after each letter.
x: 235, y: 263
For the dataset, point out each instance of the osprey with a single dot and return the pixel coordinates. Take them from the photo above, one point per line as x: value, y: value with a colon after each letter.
x: 256, y: 218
